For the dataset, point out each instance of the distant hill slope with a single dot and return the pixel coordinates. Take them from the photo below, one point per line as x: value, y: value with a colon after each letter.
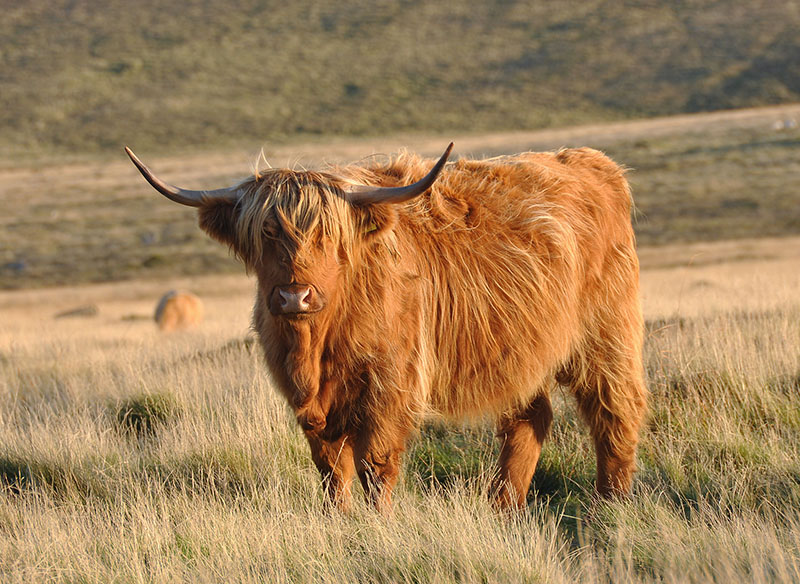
x: 87, y: 75
x: 695, y: 178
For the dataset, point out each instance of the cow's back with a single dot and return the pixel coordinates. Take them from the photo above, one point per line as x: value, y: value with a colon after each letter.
x: 516, y: 255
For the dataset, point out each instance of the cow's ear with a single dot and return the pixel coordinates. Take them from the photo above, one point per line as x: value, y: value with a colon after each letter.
x: 377, y: 221
x: 218, y: 219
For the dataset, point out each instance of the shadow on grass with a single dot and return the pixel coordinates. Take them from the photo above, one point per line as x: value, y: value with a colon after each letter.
x: 444, y: 456
x: 225, y: 473
x: 20, y: 475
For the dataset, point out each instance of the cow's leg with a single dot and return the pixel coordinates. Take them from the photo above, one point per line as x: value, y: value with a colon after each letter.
x: 378, y: 462
x: 334, y: 459
x: 608, y: 384
x: 522, y: 433
x: 615, y: 432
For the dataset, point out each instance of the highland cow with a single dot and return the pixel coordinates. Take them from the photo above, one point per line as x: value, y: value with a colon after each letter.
x: 177, y: 311
x: 387, y: 291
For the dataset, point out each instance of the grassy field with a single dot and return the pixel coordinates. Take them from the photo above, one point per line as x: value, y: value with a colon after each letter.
x: 131, y: 456
x: 127, y: 455
x: 698, y: 177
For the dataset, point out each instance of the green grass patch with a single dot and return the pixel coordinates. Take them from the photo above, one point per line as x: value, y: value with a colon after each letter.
x: 84, y: 478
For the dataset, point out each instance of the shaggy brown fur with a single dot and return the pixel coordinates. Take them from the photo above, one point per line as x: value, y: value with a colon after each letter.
x: 472, y: 298
x: 178, y: 310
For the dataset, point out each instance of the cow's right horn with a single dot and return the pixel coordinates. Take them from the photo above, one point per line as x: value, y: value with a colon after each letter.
x: 179, y: 195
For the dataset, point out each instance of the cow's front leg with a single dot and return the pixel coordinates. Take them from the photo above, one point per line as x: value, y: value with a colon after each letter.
x: 312, y: 411
x: 335, y: 462
x: 378, y: 463
x: 331, y: 451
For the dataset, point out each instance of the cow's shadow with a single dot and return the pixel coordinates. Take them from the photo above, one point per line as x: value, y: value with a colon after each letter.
x: 443, y: 456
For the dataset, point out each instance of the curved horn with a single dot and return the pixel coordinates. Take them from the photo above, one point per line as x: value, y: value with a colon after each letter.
x: 364, y: 195
x: 182, y: 196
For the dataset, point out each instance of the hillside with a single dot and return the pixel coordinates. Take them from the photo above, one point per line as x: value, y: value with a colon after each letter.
x: 697, y: 177
x: 87, y: 76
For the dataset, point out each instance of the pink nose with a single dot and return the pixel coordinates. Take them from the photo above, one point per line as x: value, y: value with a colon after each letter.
x: 293, y: 299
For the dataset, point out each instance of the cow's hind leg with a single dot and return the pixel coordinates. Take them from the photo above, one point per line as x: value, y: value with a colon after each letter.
x: 608, y: 384
x: 522, y: 433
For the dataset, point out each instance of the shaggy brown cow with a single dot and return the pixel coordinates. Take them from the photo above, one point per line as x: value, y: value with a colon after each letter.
x: 378, y: 303
x: 178, y: 310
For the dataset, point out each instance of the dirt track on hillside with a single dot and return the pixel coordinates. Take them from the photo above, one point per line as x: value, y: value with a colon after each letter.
x: 97, y: 220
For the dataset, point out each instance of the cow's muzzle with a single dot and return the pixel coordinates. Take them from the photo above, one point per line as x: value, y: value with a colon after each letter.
x: 294, y: 300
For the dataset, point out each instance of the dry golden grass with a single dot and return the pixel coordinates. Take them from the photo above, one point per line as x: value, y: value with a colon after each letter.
x: 747, y: 275
x: 128, y: 455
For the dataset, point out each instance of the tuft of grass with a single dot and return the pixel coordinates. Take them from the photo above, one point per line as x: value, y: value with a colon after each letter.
x: 17, y: 474
x: 61, y: 478
x: 142, y: 415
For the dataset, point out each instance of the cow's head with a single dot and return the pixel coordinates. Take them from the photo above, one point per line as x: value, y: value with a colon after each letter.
x: 297, y: 231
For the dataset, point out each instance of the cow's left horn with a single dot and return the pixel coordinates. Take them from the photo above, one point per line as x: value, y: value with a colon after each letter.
x: 364, y: 195
x: 179, y: 195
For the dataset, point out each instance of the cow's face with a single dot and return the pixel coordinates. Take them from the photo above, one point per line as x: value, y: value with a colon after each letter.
x: 300, y: 237
x: 300, y: 279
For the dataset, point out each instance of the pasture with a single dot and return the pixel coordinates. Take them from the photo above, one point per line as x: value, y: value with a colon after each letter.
x: 130, y: 455
x: 127, y: 455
